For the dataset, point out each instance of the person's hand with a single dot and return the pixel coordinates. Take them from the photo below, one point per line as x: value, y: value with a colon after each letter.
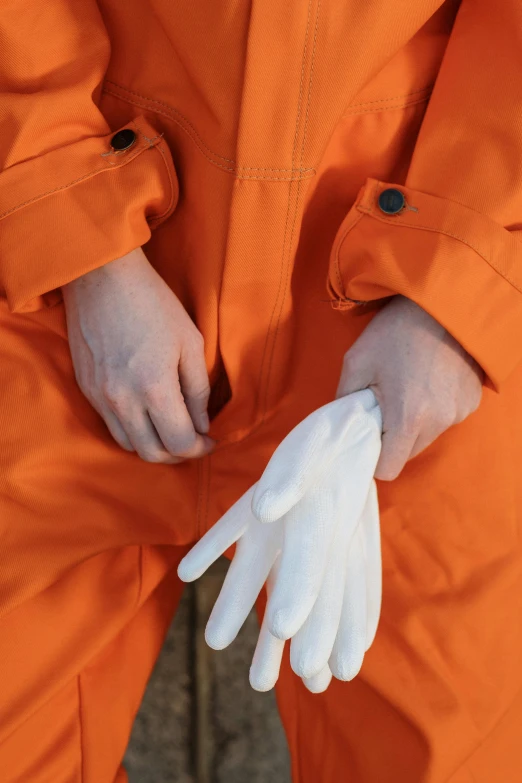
x: 139, y: 360
x: 422, y: 378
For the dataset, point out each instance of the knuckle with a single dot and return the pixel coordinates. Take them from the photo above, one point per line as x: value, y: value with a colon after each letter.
x: 155, y: 395
x: 112, y: 392
x: 182, y: 445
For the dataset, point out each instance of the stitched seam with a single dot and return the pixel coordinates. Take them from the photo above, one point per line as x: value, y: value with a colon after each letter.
x: 195, y: 134
x: 203, y: 495
x: 397, y: 221
x: 464, y: 241
x: 80, y: 721
x: 429, y: 87
x: 198, y: 504
x: 207, y: 492
x: 388, y: 108
x: 344, y: 302
x: 194, y: 138
x: 337, y: 268
x: 296, y: 135
x: 282, y: 179
x: 303, y: 144
x: 63, y: 187
x: 139, y: 589
x: 155, y: 218
x: 75, y: 181
x: 309, y: 171
x: 174, y: 111
x: 200, y: 144
x: 259, y: 168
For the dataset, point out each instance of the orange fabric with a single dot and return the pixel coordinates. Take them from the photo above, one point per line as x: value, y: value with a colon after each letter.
x: 68, y: 710
x: 273, y: 117
x: 375, y: 256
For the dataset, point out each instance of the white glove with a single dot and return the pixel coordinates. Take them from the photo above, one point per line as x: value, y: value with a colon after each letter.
x: 320, y: 550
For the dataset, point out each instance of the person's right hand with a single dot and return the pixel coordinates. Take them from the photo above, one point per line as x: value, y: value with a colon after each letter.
x: 139, y: 359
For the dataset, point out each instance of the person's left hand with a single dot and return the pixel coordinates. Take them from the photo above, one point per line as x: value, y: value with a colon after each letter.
x: 422, y: 378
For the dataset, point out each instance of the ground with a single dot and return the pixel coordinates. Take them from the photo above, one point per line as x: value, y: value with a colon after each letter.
x: 200, y: 721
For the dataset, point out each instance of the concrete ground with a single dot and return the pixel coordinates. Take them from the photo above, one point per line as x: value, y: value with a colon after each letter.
x: 200, y: 722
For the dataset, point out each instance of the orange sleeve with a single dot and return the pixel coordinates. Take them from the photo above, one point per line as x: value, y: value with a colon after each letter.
x: 69, y: 201
x: 455, y: 247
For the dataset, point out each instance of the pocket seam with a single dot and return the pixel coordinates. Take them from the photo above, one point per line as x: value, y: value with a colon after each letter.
x: 407, y: 99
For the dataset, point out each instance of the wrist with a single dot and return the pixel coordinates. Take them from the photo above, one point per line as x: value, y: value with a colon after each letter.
x: 124, y: 265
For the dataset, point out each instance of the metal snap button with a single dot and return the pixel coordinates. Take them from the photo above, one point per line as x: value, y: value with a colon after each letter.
x: 392, y: 201
x: 123, y: 140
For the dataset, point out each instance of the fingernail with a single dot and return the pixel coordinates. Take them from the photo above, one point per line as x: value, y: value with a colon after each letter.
x: 210, y: 443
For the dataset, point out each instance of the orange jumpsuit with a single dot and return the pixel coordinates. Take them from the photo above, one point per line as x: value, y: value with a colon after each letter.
x: 265, y: 132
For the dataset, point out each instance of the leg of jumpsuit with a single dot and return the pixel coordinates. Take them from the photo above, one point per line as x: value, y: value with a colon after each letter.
x: 90, y: 539
x: 439, y: 698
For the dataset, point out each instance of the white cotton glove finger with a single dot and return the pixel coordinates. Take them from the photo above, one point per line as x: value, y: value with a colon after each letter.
x: 348, y: 484
x: 320, y: 682
x: 266, y: 662
x: 219, y: 538
x: 350, y: 643
x: 306, y: 454
x: 309, y: 528
x: 311, y: 646
x: 255, y: 554
x: 371, y: 537
x: 351, y: 640
x: 268, y: 654
x: 266, y: 665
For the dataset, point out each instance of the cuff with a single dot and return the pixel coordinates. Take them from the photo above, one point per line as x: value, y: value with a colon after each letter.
x: 79, y: 207
x: 461, y: 267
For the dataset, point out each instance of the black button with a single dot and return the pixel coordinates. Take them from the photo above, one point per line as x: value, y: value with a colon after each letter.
x: 123, y: 140
x: 392, y: 201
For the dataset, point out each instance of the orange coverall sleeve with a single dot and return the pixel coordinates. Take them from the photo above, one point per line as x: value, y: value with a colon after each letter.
x: 68, y: 202
x: 456, y: 247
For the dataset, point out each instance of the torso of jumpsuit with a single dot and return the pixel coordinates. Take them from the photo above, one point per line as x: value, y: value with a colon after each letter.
x: 262, y: 133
